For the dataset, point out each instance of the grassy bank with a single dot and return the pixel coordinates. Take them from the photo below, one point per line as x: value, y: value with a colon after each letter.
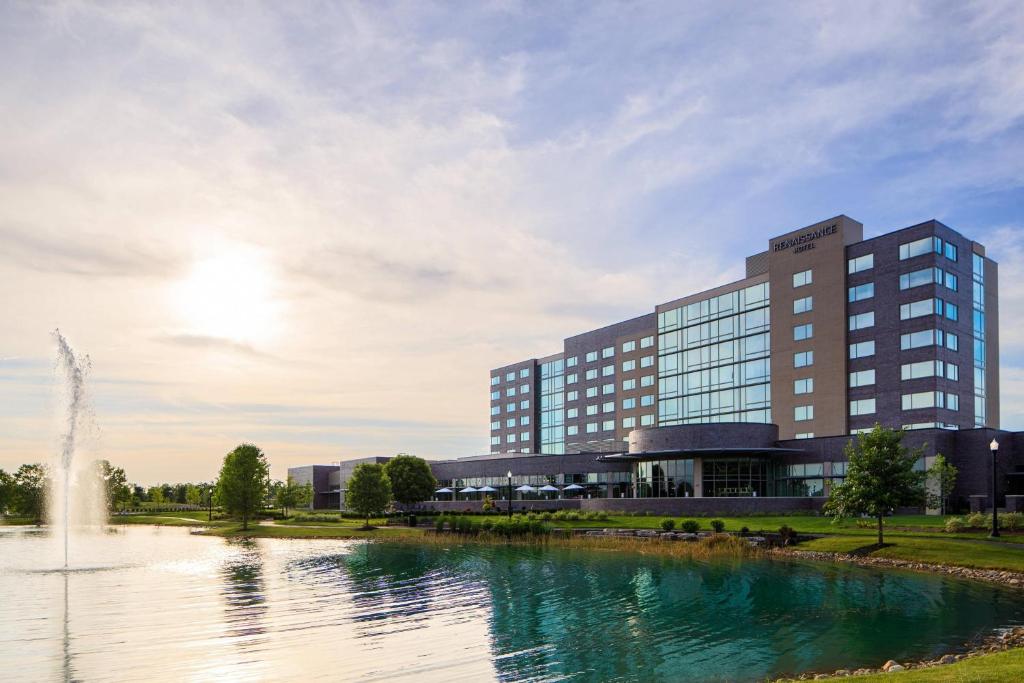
x: 999, y: 667
x: 951, y: 552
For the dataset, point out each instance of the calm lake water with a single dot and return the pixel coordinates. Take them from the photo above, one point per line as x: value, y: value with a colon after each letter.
x: 150, y: 603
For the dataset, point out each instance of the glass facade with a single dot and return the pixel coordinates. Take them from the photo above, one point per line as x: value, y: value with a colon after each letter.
x: 664, y: 479
x: 732, y: 477
x: 713, y: 360
x: 552, y: 407
x: 803, y: 479
x: 978, y: 316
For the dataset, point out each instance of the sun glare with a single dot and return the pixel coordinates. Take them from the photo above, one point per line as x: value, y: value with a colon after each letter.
x: 229, y: 295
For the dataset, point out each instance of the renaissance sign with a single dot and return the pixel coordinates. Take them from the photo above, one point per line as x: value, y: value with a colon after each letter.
x: 805, y: 241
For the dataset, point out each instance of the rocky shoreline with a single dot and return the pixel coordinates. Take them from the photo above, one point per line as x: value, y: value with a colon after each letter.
x: 1000, y: 576
x: 997, y: 642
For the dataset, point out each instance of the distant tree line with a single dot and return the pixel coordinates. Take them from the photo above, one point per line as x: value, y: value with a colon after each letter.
x: 243, y: 488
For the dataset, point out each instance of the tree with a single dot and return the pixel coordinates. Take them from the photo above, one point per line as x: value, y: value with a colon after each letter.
x: 242, y: 484
x: 193, y: 495
x: 880, y: 477
x: 115, y: 484
x: 369, y: 490
x: 293, y: 495
x: 7, y: 489
x: 155, y: 494
x: 411, y: 479
x: 942, y: 474
x: 30, y: 486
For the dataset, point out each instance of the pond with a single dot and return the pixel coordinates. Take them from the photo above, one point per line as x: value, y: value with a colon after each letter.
x: 160, y: 603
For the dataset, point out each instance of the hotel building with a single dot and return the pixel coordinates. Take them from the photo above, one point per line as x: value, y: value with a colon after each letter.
x: 748, y: 392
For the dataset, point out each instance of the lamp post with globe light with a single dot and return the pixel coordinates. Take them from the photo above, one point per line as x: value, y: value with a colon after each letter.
x: 994, y: 447
x: 510, y: 494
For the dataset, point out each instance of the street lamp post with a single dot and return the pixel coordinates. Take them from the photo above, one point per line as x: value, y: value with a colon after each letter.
x: 994, y: 447
x: 510, y: 494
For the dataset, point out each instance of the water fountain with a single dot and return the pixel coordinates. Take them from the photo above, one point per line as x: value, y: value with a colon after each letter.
x: 76, y: 497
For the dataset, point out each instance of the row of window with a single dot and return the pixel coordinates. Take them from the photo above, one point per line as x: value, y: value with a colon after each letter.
x: 609, y: 370
x: 510, y: 391
x: 908, y: 371
x: 609, y: 406
x: 511, y: 438
x: 609, y: 425
x: 927, y: 245
x: 917, y: 309
x: 609, y: 351
x: 723, y: 305
x: 510, y: 376
x: 929, y: 276
x: 510, y: 407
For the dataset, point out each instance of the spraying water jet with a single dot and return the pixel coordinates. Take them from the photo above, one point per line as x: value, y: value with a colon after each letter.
x: 73, y: 370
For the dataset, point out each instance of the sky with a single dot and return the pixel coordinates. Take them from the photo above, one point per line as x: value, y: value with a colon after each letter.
x: 317, y: 226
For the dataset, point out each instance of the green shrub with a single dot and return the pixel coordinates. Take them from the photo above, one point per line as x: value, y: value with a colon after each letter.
x: 1011, y: 521
x: 601, y: 516
x: 718, y: 525
x: 978, y: 520
x: 787, y: 534
x: 690, y: 526
x: 546, y: 517
x: 668, y: 524
x: 744, y: 531
x: 954, y: 525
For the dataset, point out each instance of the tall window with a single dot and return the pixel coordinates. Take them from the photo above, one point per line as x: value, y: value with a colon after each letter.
x: 552, y: 404
x: 978, y: 334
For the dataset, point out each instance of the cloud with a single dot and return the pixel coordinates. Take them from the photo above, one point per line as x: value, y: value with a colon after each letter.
x: 443, y: 193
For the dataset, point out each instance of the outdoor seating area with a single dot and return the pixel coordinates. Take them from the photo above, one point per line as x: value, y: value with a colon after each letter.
x: 523, y: 492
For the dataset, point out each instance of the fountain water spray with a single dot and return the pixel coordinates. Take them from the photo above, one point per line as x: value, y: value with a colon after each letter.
x: 74, y: 369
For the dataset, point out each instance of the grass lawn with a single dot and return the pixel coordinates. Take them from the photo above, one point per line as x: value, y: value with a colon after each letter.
x: 932, y: 550
x: 168, y: 519
x: 15, y: 521
x: 1001, y: 667
x: 902, y: 525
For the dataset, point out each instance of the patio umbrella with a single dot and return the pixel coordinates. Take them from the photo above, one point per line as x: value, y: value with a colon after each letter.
x: 573, y: 487
x: 469, y: 489
x: 548, y: 487
x: 487, y: 489
x: 444, y: 490
x: 526, y: 488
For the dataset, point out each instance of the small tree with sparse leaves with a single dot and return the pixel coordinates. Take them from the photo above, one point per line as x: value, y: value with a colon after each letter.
x: 880, y: 477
